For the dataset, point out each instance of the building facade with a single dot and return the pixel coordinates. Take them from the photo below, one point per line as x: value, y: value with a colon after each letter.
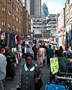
x: 37, y: 7
x: 26, y: 23
x: 11, y: 16
x: 37, y: 26
x: 52, y: 23
x: 33, y: 7
x: 45, y: 33
x: 70, y: 11
x: 68, y: 22
x: 44, y: 10
x: 67, y: 13
x: 27, y: 5
x: 61, y: 21
x: 61, y: 29
x: 31, y: 28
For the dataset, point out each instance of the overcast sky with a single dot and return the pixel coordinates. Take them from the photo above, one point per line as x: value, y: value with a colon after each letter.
x: 54, y: 6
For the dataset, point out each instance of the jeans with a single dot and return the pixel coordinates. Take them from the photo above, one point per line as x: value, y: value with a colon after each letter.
x: 1, y: 86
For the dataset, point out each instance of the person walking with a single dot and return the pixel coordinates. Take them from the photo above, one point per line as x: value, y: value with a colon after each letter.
x: 2, y: 51
x: 50, y: 54
x: 19, y: 47
x: 10, y: 69
x: 61, y: 49
x: 40, y: 56
x: 3, y: 64
x: 26, y: 49
x: 63, y: 62
x: 67, y: 52
x: 28, y: 73
x: 44, y: 54
x: 35, y: 49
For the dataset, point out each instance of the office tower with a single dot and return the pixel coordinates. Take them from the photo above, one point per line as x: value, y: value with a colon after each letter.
x: 33, y: 7
x: 44, y: 10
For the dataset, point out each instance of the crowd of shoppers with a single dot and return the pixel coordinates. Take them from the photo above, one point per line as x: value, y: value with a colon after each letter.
x: 8, y: 61
x: 38, y: 51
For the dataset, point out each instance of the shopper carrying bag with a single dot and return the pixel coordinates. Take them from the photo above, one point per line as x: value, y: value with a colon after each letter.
x: 39, y: 84
x: 28, y: 76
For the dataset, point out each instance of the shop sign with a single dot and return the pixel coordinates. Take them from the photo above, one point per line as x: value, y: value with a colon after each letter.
x: 54, y: 65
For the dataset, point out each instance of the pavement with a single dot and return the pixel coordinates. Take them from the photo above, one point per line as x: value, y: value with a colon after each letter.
x: 11, y: 84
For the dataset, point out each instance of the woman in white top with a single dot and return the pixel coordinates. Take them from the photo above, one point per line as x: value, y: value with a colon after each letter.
x: 28, y: 78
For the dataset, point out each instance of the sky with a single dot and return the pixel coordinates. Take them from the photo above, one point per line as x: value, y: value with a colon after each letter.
x: 54, y: 6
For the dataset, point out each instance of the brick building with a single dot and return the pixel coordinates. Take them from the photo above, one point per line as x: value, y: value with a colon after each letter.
x: 11, y: 16
x: 26, y: 22
x: 68, y: 22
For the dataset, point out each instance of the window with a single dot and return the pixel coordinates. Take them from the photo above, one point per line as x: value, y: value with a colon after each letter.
x: 9, y: 25
x: 20, y: 21
x: 17, y: 19
x: 9, y: 1
x: 17, y: 1
x: 3, y: 9
x: 20, y: 4
x: 17, y: 9
x: 20, y: 13
x: 3, y: 23
x: 49, y: 27
x: 13, y: 16
x: 13, y: 5
x: 13, y: 27
x: 17, y: 29
x: 9, y: 13
x: 54, y: 26
x: 33, y: 27
x: 54, y: 19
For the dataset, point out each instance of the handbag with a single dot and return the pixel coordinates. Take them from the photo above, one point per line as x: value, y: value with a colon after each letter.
x: 39, y: 84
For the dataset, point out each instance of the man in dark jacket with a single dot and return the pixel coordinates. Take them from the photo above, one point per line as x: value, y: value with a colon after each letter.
x: 35, y: 49
x: 49, y: 53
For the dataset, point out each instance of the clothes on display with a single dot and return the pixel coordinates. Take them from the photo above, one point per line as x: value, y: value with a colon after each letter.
x: 2, y: 35
x: 19, y: 38
x: 2, y: 39
x: 10, y: 69
x: 69, y: 34
x: 11, y: 40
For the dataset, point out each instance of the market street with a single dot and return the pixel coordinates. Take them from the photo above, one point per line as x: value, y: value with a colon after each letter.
x: 11, y: 85
x: 35, y: 44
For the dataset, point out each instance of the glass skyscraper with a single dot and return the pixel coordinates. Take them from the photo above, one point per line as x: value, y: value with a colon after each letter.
x: 44, y: 10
